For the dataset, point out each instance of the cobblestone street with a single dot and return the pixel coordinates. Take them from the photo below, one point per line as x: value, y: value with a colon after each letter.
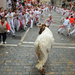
x: 18, y: 56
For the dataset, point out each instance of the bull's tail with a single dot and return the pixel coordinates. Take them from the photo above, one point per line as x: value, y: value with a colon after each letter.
x: 44, y: 58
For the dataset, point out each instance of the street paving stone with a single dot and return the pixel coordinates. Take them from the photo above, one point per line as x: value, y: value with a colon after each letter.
x: 60, y: 62
x: 20, y: 60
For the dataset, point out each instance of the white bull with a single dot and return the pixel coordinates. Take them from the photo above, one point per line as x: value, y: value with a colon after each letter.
x: 43, y: 44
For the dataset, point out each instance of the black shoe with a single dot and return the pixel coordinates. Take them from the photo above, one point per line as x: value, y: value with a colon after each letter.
x: 13, y: 36
x: 5, y: 42
x: 68, y: 34
x: 58, y: 32
x: 62, y: 33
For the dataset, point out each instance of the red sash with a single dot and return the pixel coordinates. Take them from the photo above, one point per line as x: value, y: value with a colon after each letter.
x: 29, y: 22
x: 62, y: 26
x: 36, y: 19
x: 19, y: 21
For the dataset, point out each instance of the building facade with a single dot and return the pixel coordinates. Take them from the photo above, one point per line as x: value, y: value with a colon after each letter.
x: 3, y: 3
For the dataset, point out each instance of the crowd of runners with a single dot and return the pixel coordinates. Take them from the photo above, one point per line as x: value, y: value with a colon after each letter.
x: 68, y: 20
x: 28, y: 14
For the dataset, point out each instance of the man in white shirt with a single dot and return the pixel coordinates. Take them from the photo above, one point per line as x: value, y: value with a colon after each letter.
x: 9, y: 17
x: 22, y: 17
x: 31, y: 19
x: 64, y: 27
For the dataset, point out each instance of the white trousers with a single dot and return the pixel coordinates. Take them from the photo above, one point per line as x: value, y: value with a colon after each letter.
x: 12, y: 28
x: 23, y: 23
x: 17, y: 24
x: 70, y: 25
x: 31, y: 26
x: 62, y: 29
x: 73, y: 30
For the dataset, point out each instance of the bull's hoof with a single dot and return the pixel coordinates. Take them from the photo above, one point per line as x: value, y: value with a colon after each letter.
x: 43, y: 72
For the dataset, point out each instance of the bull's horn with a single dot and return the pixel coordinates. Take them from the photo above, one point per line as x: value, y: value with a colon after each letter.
x: 46, y: 25
x: 39, y: 25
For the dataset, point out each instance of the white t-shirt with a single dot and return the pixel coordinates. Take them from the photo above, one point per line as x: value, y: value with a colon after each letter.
x: 37, y: 13
x: 31, y: 16
x: 29, y: 4
x: 2, y: 13
x: 10, y: 14
x: 21, y: 17
x: 8, y: 17
x: 66, y: 22
x: 49, y: 22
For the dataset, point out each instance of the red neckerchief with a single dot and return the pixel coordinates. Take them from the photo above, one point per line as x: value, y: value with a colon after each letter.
x: 28, y: 11
x: 66, y: 18
x: 5, y: 14
x: 10, y: 12
x: 15, y: 12
x: 50, y: 18
x: 22, y: 14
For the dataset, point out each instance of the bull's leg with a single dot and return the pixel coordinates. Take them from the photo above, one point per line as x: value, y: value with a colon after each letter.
x: 44, y: 57
x: 43, y: 71
x: 43, y: 61
x: 38, y: 55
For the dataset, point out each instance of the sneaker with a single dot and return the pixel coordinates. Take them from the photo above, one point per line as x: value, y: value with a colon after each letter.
x: 13, y: 36
x: 68, y: 34
x: 5, y: 42
x: 62, y: 33
x: 58, y: 32
x: 24, y: 29
x: 25, y: 26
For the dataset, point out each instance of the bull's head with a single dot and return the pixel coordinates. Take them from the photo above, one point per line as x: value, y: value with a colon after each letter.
x: 42, y: 28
